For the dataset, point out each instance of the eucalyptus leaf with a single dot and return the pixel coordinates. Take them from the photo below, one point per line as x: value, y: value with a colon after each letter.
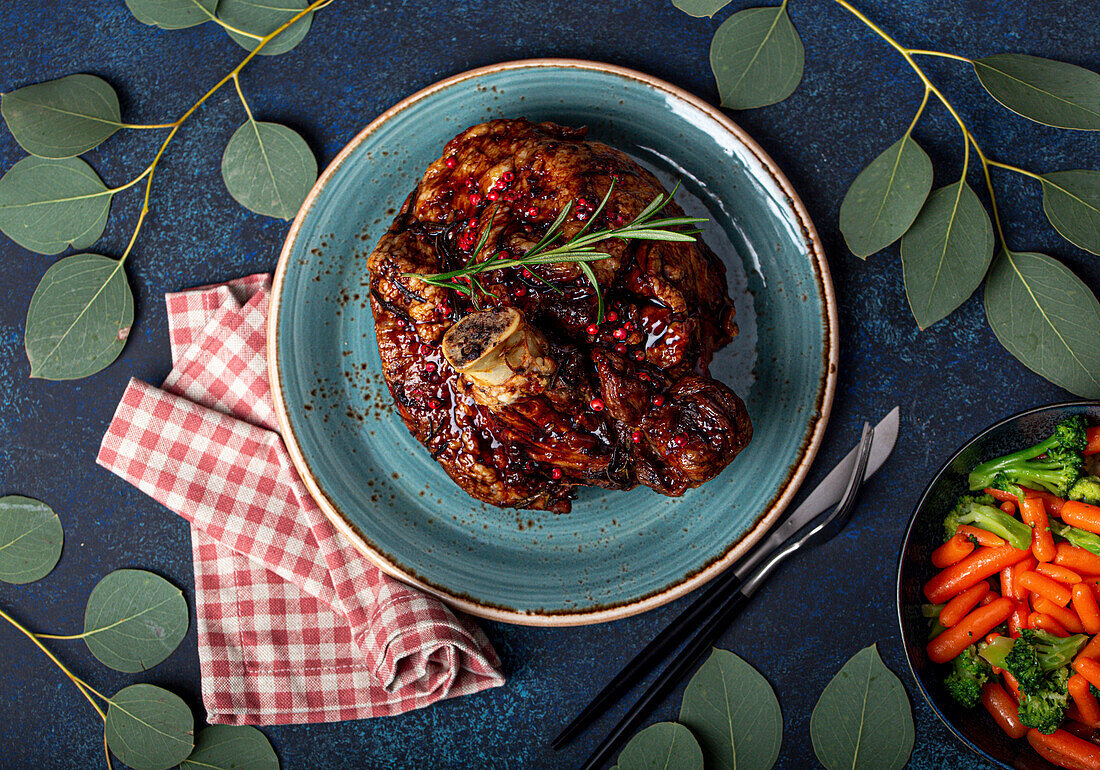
x: 1071, y: 200
x: 64, y: 117
x: 134, y: 620
x: 663, y: 746
x: 1046, y: 317
x: 733, y: 712
x: 699, y: 8
x: 259, y: 18
x: 946, y: 253
x: 268, y: 168
x: 886, y: 197
x: 30, y: 539
x: 172, y: 14
x: 149, y: 728
x: 79, y: 318
x: 48, y: 205
x: 231, y: 747
x: 757, y: 58
x: 863, y: 719
x: 1051, y: 92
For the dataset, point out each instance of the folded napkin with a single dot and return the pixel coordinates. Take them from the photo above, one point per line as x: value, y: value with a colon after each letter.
x: 294, y: 624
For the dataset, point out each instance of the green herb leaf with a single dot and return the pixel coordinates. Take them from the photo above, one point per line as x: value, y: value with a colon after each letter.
x: 231, y: 747
x: 268, y: 169
x: 757, y: 58
x: 734, y: 713
x: 1071, y: 200
x: 946, y: 252
x: 48, y: 205
x: 62, y: 118
x: 699, y: 8
x: 149, y: 728
x: 30, y: 539
x: 1046, y: 317
x: 262, y: 17
x: 663, y: 746
x: 1051, y: 92
x: 79, y: 318
x: 885, y: 198
x: 863, y: 718
x: 172, y: 14
x: 134, y: 620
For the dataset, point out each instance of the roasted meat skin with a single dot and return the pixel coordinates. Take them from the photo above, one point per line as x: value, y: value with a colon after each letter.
x: 617, y: 411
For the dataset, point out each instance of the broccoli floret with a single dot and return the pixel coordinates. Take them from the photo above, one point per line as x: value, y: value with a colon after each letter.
x: 968, y: 673
x: 1036, y: 653
x: 1045, y: 708
x: 1081, y: 538
x: 1086, y: 489
x: 969, y: 511
x: 1056, y: 473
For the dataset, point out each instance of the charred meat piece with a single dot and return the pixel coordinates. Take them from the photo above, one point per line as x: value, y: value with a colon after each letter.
x: 513, y: 386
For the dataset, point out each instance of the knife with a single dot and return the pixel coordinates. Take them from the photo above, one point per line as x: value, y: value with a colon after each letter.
x: 829, y: 492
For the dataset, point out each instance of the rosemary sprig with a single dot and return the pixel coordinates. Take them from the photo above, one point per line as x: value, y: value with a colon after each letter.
x: 581, y: 248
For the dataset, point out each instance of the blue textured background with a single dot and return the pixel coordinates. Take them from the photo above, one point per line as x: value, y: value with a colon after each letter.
x: 359, y: 59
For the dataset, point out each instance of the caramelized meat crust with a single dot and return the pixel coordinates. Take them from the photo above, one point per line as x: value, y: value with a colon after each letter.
x: 558, y: 401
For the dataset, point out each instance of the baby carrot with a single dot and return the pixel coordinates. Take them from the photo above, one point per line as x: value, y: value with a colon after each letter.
x: 982, y: 564
x: 1044, y: 622
x: 980, y: 536
x: 977, y: 624
x: 1083, y: 699
x: 1065, y: 749
x: 1093, y: 435
x: 1078, y: 514
x: 1018, y: 620
x: 1059, y: 573
x: 1044, y: 586
x: 957, y: 548
x: 1003, y: 709
x: 1090, y: 650
x: 1066, y: 617
x: 1088, y: 668
x: 1054, y: 503
x: 1012, y: 685
x: 1034, y: 514
x: 1026, y: 565
x: 1009, y: 507
x: 1006, y: 583
x: 1077, y: 559
x: 1087, y: 608
x: 957, y: 609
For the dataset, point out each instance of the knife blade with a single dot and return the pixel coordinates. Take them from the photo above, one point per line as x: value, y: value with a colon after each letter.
x: 829, y: 491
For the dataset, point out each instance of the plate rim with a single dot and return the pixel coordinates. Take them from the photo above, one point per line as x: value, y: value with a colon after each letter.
x: 764, y: 521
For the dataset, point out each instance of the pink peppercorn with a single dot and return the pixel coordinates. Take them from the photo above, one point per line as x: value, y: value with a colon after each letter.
x: 492, y: 195
x: 596, y: 404
x: 507, y: 176
x: 429, y: 366
x: 555, y: 474
x: 612, y: 316
x: 521, y: 291
x: 532, y: 212
x: 475, y: 199
x: 639, y: 355
x: 620, y: 348
x: 619, y: 334
x: 637, y: 436
x: 681, y: 439
x: 434, y: 403
x: 658, y: 400
x: 450, y: 163
x: 593, y: 329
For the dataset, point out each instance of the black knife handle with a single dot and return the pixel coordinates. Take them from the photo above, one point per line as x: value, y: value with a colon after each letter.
x: 666, y: 682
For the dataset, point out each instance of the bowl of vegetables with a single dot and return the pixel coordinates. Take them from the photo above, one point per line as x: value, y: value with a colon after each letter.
x: 999, y: 590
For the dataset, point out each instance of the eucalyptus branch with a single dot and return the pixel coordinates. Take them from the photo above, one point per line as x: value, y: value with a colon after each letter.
x: 82, y: 312
x: 1039, y: 310
x: 580, y: 249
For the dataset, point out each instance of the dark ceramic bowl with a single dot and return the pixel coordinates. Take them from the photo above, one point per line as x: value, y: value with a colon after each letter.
x: 974, y: 727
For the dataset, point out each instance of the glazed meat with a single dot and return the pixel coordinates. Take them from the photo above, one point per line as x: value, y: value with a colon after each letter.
x: 524, y: 397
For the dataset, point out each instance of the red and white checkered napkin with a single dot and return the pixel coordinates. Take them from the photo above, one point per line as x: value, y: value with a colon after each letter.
x: 294, y: 624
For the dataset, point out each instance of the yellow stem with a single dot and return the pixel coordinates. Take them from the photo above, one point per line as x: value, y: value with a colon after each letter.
x: 244, y: 102
x: 57, y: 636
x: 143, y: 126
x: 1017, y: 169
x: 923, y: 102
x: 316, y: 5
x: 941, y: 54
x: 81, y: 685
x: 968, y: 137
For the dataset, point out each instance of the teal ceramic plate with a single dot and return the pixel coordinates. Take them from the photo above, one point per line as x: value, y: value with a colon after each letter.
x: 617, y: 553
